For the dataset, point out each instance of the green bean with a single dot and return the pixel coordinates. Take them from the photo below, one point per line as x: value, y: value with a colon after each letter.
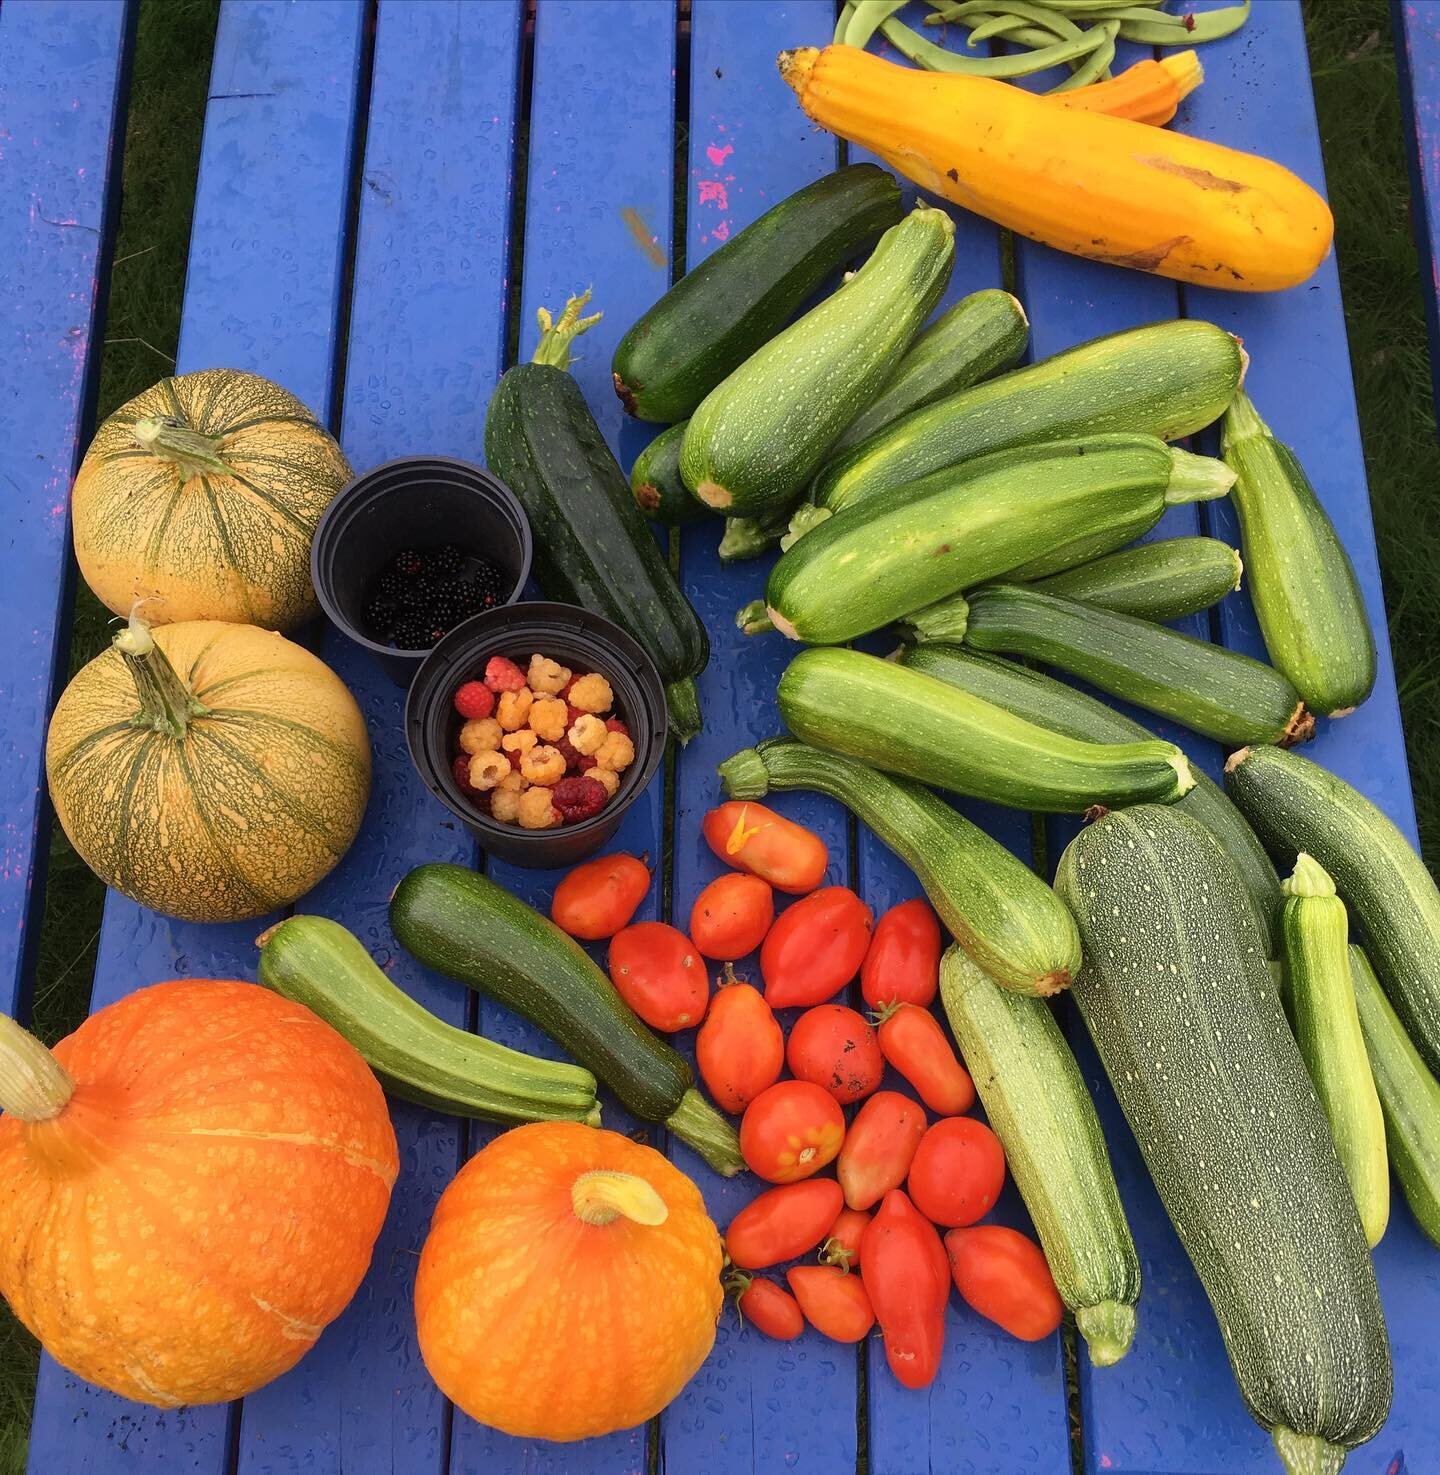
x: 1097, y: 64
x: 1042, y: 16
x: 935, y: 59
x: 866, y: 17
x: 1158, y: 30
x: 1009, y: 26
x: 842, y: 22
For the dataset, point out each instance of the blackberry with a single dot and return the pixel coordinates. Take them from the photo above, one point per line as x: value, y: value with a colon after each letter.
x: 390, y: 585
x: 410, y: 634
x: 489, y: 585
x: 381, y: 613
x: 409, y: 563
x: 447, y: 560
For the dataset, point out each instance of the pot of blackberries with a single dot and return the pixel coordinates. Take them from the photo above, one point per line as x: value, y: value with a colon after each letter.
x: 538, y: 725
x: 410, y: 549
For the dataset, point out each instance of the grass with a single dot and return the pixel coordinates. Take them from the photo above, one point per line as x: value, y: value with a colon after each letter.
x: 1355, y: 85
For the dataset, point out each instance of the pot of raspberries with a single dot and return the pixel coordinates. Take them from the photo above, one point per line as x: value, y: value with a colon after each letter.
x: 538, y: 725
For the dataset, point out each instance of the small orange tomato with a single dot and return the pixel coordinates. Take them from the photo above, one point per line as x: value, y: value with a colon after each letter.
x: 879, y: 1147
x: 657, y: 971
x: 767, y: 1306
x: 836, y: 1048
x: 755, y: 839
x: 791, y: 1131
x: 740, y: 1048
x: 912, y: 1040
x: 732, y: 915
x: 843, y: 1243
x: 957, y: 1172
x: 599, y: 896
x: 1002, y: 1274
x: 903, y: 964
x: 782, y: 1223
x: 835, y: 1303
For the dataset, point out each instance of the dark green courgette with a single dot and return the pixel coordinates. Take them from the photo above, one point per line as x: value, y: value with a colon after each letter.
x: 1214, y: 691
x: 593, y: 546
x: 1156, y: 581
x: 1302, y: 582
x: 741, y: 295
x: 655, y: 481
x: 1177, y: 996
x: 463, y: 925
x: 1062, y: 708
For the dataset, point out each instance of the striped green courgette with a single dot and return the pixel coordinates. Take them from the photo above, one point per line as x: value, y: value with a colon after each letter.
x: 1214, y: 691
x: 1037, y: 1104
x: 1321, y: 1001
x: 1302, y: 582
x: 757, y: 437
x: 1167, y: 379
x: 1163, y: 580
x: 908, y: 723
x: 1061, y: 708
x: 996, y: 907
x: 655, y: 481
x: 1177, y: 996
x: 1293, y: 805
x: 1409, y: 1097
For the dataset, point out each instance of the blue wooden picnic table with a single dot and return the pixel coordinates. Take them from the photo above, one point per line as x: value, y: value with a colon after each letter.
x: 385, y: 193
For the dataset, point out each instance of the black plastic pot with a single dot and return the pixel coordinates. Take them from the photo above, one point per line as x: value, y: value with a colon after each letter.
x: 418, y: 502
x: 575, y: 637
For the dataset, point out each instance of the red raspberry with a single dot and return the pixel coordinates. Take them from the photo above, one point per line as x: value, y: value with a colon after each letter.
x: 564, y: 692
x: 586, y: 763
x: 502, y: 674
x: 461, y: 769
x: 578, y: 799
x: 474, y: 700
x: 566, y: 748
x: 614, y: 724
x: 573, y: 715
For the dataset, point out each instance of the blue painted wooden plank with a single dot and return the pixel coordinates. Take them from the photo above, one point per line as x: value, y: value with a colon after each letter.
x: 1416, y: 28
x: 426, y: 342
x: 262, y: 293
x: 598, y: 199
x: 62, y: 68
x: 756, y: 1404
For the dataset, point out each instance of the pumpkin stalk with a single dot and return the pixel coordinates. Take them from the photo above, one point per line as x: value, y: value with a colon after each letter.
x: 194, y: 453
x: 166, y: 704
x: 601, y: 1197
x: 556, y: 337
x: 34, y: 1086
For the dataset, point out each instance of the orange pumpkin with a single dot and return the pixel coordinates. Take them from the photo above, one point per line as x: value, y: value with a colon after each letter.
x: 569, y: 1285
x: 190, y: 1188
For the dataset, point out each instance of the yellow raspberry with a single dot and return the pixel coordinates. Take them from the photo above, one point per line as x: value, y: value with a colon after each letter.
x: 546, y: 676
x: 547, y: 718
x: 505, y: 804
x: 514, y: 709
x: 514, y: 782
x: 519, y: 742
x: 607, y: 778
x: 543, y: 765
x: 586, y: 734
x: 480, y: 735
x: 536, y: 811
x: 592, y: 694
x: 617, y: 752
x: 487, y: 770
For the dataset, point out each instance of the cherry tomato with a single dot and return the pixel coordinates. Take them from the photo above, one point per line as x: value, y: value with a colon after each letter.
x: 841, y: 1246
x: 732, y: 915
x: 783, y: 1223
x: 879, y: 1146
x: 905, y: 1275
x: 740, y: 1048
x: 755, y: 839
x: 836, y: 1048
x: 957, y: 1172
x: 1002, y: 1274
x: 767, y: 1306
x: 599, y: 896
x: 903, y: 964
x: 835, y: 1303
x: 657, y: 971
x: 815, y: 948
x: 912, y: 1040
x: 791, y: 1131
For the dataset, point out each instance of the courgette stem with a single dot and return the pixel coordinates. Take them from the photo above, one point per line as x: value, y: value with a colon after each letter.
x: 34, y: 1086
x: 556, y: 335
x: 946, y: 620
x: 699, y: 1125
x: 1196, y: 478
x: 748, y: 537
x: 1108, y: 1329
x: 753, y: 618
x: 682, y: 697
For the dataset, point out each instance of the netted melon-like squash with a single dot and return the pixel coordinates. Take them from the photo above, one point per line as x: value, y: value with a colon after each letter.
x: 201, y: 496
x: 209, y: 771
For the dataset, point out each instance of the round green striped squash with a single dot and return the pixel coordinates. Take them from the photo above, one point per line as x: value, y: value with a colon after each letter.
x: 201, y: 496
x: 209, y: 771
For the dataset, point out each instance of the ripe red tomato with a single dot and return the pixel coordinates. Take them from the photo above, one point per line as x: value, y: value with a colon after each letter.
x: 740, y: 1048
x: 835, y: 1303
x: 599, y: 896
x: 755, y: 839
x: 905, y: 1271
x: 912, y: 1040
x: 783, y: 1223
x: 768, y: 1307
x: 903, y: 964
x: 1002, y: 1274
x: 957, y: 1172
x: 732, y: 915
x: 791, y: 1131
x: 657, y: 971
x: 815, y: 948
x: 879, y: 1146
x: 843, y: 1243
x: 836, y: 1048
